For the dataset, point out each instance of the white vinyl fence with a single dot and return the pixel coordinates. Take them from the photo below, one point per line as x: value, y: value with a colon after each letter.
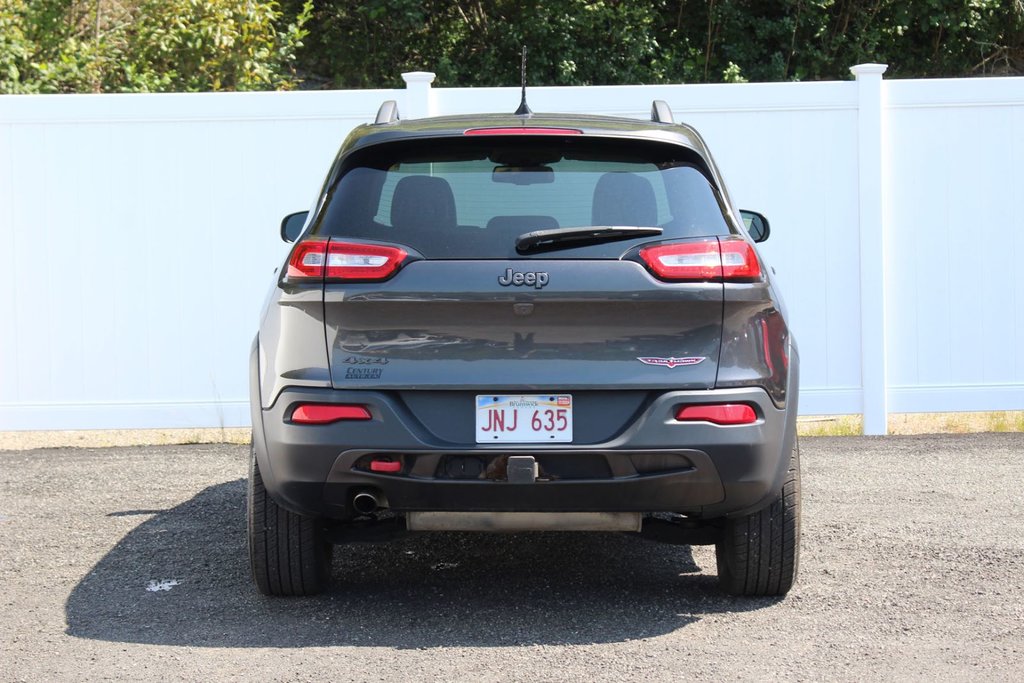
x: 138, y: 234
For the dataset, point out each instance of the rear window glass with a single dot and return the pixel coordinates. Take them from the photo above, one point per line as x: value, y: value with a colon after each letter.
x: 461, y: 198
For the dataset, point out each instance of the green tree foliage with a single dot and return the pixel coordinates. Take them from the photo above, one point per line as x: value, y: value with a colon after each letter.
x: 147, y: 45
x: 190, y: 45
x: 367, y: 43
x: 819, y: 39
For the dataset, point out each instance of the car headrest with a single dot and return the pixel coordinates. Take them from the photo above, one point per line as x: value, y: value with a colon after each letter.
x: 423, y: 203
x: 622, y: 198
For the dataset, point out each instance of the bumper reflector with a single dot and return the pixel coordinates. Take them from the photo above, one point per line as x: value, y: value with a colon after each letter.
x: 385, y: 466
x: 319, y: 414
x: 719, y: 414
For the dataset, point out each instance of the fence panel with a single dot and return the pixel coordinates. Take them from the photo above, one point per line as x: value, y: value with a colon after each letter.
x: 138, y: 234
x: 956, y: 244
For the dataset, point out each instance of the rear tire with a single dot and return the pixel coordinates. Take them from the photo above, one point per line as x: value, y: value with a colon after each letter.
x: 759, y: 554
x: 288, y: 553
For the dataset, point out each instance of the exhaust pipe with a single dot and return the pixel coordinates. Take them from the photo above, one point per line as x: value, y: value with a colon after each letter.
x: 365, y: 502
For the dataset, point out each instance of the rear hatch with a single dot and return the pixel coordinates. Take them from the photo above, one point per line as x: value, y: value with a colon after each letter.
x: 441, y: 281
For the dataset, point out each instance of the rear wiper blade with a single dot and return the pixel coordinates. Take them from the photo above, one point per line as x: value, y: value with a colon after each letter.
x: 566, y: 238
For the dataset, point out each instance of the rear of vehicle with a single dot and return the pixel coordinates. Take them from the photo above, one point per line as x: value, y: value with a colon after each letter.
x: 536, y: 325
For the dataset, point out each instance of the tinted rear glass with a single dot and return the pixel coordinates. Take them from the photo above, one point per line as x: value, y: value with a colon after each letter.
x: 471, y: 198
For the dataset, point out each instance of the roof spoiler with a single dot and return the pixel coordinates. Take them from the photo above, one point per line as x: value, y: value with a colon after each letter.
x: 388, y: 112
x: 660, y: 112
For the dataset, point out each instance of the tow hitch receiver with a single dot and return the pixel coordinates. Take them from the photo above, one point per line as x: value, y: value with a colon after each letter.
x: 522, y: 469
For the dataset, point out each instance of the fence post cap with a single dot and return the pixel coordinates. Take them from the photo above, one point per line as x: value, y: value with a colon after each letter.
x: 863, y: 69
x: 411, y: 77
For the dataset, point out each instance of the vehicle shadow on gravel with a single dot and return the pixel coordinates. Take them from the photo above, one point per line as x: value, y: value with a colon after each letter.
x: 426, y: 590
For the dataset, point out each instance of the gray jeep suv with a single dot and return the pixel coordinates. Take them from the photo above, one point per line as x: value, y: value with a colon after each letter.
x: 520, y: 323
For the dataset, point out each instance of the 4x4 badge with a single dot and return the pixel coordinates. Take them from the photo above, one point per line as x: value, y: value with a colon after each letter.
x: 671, y: 362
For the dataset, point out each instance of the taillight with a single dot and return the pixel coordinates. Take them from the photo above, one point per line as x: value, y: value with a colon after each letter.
x: 739, y: 262
x: 354, y: 261
x: 718, y: 413
x: 713, y: 259
x: 307, y: 259
x: 685, y: 261
x: 325, y: 413
x: 316, y: 258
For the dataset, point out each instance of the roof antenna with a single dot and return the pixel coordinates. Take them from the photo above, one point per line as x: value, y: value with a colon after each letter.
x: 524, y: 109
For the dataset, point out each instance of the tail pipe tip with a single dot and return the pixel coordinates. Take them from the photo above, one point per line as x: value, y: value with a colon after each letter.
x: 366, y: 502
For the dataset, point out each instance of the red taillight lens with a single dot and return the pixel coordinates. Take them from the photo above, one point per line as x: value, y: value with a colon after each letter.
x: 719, y: 414
x: 739, y: 261
x: 307, y: 259
x: 315, y: 258
x: 354, y: 261
x: 727, y: 259
x: 319, y: 414
x: 523, y: 131
x: 685, y: 261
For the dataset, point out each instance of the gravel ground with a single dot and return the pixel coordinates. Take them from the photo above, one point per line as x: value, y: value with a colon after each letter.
x: 912, y: 568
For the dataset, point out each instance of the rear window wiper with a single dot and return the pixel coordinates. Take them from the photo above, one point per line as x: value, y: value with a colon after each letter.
x: 567, y: 238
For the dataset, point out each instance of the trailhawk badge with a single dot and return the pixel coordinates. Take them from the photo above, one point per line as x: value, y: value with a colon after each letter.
x: 672, y: 362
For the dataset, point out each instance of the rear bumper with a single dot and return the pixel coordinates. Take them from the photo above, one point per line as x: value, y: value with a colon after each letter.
x: 655, y: 465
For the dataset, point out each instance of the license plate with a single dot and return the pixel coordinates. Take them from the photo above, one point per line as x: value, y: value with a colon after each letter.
x: 540, y: 418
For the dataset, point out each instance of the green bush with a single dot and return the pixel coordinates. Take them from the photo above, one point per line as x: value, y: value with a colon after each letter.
x: 188, y: 45
x: 368, y: 43
x: 148, y: 45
